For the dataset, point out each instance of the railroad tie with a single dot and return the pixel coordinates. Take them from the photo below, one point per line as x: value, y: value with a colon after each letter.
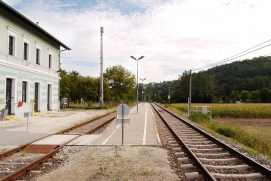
x: 238, y: 176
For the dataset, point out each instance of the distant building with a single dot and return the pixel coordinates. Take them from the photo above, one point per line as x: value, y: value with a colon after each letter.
x: 29, y: 64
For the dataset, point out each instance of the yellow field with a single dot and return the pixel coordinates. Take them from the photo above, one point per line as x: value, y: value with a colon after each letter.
x: 233, y: 110
x: 251, y: 122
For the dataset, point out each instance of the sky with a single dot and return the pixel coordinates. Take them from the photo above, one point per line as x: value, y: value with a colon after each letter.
x: 173, y: 35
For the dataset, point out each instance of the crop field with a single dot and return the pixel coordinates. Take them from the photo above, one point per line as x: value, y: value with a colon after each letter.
x: 248, y: 124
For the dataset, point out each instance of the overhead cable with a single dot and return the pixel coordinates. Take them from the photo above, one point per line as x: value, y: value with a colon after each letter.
x: 233, y: 57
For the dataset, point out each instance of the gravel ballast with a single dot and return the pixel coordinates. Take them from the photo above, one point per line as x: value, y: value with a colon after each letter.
x: 98, y: 163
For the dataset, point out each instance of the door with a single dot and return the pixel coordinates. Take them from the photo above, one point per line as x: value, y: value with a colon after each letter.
x: 8, y: 94
x: 36, y: 97
x: 48, y: 97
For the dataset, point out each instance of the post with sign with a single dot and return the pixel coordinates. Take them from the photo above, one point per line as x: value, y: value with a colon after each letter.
x: 26, y: 114
x: 122, y: 111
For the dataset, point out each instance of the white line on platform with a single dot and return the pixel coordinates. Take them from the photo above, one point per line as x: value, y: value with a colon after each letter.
x: 145, y: 126
x: 111, y: 135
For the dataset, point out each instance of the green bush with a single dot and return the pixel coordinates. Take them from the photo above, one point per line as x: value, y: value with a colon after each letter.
x: 225, y: 130
x: 199, y: 117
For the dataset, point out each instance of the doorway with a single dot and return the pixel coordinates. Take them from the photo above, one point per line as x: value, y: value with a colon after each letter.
x: 8, y: 94
x: 49, y: 97
x: 36, y: 107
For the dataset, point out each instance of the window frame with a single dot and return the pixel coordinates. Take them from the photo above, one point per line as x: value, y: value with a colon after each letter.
x: 38, y: 53
x: 12, y: 33
x: 24, y: 91
x: 11, y: 45
x: 38, y: 56
x: 50, y: 61
x: 27, y: 41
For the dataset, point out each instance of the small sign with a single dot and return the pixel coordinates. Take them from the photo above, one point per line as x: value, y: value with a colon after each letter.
x: 101, y: 98
x: 26, y: 114
x: 123, y: 110
x: 125, y: 121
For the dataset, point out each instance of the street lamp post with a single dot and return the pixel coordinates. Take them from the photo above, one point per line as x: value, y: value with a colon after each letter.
x: 101, y: 66
x: 142, y: 88
x: 137, y: 81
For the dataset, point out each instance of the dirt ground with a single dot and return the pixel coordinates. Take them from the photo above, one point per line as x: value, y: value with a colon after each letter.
x: 261, y: 123
x: 258, y: 125
x: 111, y: 163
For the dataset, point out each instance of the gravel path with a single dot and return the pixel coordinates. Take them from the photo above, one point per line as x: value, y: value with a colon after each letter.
x: 98, y: 163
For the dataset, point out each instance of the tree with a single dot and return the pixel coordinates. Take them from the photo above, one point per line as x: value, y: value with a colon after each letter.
x: 121, y: 83
x: 234, y: 96
x: 255, y: 96
x: 245, y: 96
x: 265, y: 94
x: 64, y: 85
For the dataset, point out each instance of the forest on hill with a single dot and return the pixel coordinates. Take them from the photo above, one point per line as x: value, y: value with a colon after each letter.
x: 245, y: 81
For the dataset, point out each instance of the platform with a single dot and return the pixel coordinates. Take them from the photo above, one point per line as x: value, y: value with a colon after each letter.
x: 141, y: 131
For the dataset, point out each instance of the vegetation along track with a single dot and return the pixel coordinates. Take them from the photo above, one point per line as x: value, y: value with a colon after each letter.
x: 24, y: 165
x: 202, y: 157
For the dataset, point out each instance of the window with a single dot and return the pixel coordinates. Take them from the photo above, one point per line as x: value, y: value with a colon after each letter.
x: 25, y: 51
x: 38, y: 53
x: 50, y: 58
x: 11, y: 46
x: 50, y: 61
x: 24, y: 90
x: 12, y: 41
x: 38, y: 56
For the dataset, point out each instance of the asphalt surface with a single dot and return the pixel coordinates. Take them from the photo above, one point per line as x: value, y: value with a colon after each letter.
x: 141, y: 129
x: 14, y: 133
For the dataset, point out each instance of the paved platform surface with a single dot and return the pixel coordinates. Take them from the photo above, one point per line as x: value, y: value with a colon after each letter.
x: 14, y: 133
x: 141, y: 131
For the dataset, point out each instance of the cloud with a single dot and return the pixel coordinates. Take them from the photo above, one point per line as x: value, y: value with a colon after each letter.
x: 173, y: 35
x: 13, y: 2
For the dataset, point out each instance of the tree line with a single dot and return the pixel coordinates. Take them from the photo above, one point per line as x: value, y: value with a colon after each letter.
x: 118, y: 84
x: 246, y: 81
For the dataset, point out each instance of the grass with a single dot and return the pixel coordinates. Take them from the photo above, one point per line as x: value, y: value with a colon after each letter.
x: 254, y: 138
x: 229, y: 110
x: 23, y: 154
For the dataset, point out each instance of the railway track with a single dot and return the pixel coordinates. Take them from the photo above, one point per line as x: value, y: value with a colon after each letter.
x: 29, y: 160
x: 202, y: 157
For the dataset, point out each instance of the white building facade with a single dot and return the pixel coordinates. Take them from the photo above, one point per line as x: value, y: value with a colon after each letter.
x: 29, y: 65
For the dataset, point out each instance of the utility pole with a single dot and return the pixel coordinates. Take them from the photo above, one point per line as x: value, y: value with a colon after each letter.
x: 189, y: 99
x: 169, y: 95
x: 101, y: 77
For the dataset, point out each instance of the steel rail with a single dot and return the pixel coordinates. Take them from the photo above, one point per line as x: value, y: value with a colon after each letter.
x: 84, y: 123
x: 18, y: 149
x: 206, y: 173
x: 95, y: 129
x: 249, y: 161
x: 34, y: 164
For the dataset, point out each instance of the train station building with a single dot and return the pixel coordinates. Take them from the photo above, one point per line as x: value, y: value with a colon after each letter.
x: 29, y: 65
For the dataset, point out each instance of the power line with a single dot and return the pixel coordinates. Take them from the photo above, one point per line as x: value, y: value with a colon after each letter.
x: 234, y: 56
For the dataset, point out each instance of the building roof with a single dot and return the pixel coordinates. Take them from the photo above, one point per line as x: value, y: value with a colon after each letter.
x: 34, y: 25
